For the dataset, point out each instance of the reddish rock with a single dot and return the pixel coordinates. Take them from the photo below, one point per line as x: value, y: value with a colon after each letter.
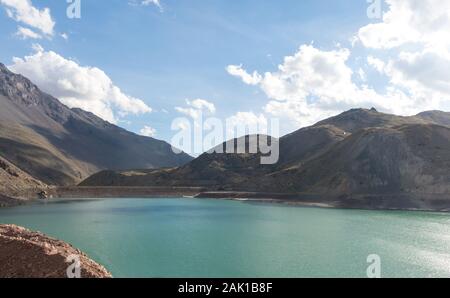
x: 24, y: 253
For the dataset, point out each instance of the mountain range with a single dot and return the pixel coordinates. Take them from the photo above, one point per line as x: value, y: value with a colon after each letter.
x: 43, y: 141
x: 360, y: 152
x: 357, y: 153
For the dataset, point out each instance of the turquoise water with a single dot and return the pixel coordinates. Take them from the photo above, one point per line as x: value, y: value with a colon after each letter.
x: 215, y: 238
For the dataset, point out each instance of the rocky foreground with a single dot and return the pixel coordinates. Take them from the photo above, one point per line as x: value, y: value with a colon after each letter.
x: 27, y: 254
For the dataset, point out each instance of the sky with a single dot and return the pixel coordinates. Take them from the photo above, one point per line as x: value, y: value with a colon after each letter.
x: 143, y: 63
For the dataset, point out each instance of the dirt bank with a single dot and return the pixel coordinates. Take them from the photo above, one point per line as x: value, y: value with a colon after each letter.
x: 400, y: 201
x: 27, y: 254
x: 123, y: 192
x: 404, y: 201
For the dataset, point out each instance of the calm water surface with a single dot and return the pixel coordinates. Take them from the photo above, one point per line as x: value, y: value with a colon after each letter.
x: 214, y: 238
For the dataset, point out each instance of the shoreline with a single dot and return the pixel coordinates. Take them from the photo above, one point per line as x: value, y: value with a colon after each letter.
x: 6, y: 201
x: 329, y: 203
x: 388, y: 202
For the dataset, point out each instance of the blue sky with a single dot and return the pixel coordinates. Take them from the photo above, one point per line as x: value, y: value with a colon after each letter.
x: 181, y: 50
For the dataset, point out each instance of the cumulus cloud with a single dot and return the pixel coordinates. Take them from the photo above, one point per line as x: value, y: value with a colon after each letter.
x: 418, y: 33
x: 196, y: 108
x: 429, y: 69
x: 424, y: 75
x: 147, y: 131
x: 409, y: 21
x: 77, y: 86
x: 313, y: 84
x: 24, y: 12
x: 409, y: 46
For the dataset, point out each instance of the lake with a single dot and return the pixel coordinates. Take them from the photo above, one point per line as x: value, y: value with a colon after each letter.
x: 219, y: 238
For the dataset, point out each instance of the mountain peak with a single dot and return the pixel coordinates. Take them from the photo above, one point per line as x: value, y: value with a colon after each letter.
x: 357, y: 119
x: 360, y: 111
x: 21, y: 90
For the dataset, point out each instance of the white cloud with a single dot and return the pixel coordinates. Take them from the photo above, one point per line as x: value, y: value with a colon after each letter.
x: 313, y: 84
x: 196, y: 108
x: 250, y: 79
x: 429, y: 69
x: 410, y: 21
x: 150, y: 2
x: 202, y: 104
x: 26, y: 33
x: 148, y: 131
x: 156, y: 3
x: 84, y: 87
x: 253, y: 122
x: 37, y: 47
x: 424, y: 75
x: 362, y: 74
x: 418, y: 32
x: 376, y: 63
x: 23, y: 11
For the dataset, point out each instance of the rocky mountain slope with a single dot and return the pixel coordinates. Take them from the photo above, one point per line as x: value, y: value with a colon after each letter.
x: 15, y: 183
x: 409, y: 158
x: 226, y: 171
x: 62, y: 146
x: 436, y: 117
x: 357, y: 152
x: 27, y: 254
